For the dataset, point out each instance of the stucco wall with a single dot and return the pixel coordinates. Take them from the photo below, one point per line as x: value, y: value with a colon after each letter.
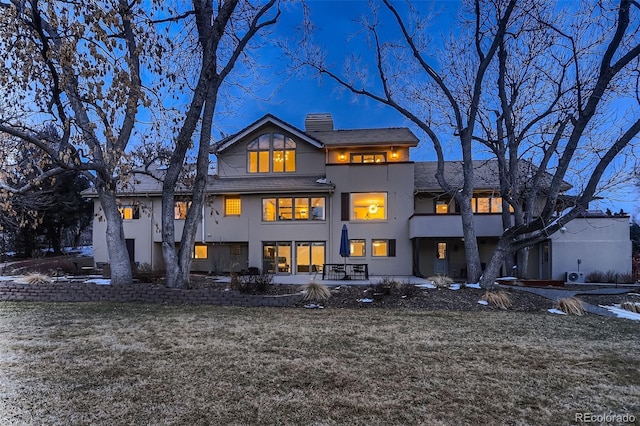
x: 397, y: 181
x: 602, y: 244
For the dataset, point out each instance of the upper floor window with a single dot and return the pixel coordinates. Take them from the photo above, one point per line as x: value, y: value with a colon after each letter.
x: 289, y: 208
x: 368, y: 206
x: 487, y: 205
x: 180, y: 209
x: 368, y: 158
x: 271, y: 152
x: 130, y: 212
x: 232, y: 206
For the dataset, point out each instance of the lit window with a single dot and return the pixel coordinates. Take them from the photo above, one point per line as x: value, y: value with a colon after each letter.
x: 232, y: 206
x: 299, y: 208
x: 368, y: 206
x: 368, y: 158
x: 357, y: 248
x: 284, y: 154
x: 379, y: 248
x: 269, y: 209
x: 271, y: 153
x: 302, y: 208
x: 487, y: 205
x: 130, y: 212
x: 285, y: 207
x: 442, y: 251
x: 442, y: 207
x: 200, y: 251
x: 317, y: 209
x: 180, y: 209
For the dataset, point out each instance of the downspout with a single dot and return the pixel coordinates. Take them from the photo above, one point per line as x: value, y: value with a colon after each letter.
x: 203, y: 222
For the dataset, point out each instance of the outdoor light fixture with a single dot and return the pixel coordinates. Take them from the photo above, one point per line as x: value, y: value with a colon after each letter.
x: 394, y: 152
x: 342, y: 156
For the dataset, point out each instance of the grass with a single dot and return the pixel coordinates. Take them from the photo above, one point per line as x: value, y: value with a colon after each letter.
x: 152, y: 364
x: 499, y: 299
x: 571, y: 305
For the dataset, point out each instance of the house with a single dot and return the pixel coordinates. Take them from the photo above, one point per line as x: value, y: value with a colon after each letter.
x: 281, y: 196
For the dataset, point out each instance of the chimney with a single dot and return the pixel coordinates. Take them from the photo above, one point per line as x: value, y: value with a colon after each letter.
x: 318, y: 122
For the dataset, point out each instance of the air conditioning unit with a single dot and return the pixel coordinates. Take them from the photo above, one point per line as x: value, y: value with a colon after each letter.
x: 575, y: 277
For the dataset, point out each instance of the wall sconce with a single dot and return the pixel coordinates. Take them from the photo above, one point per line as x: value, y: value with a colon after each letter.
x: 342, y: 156
x: 394, y: 152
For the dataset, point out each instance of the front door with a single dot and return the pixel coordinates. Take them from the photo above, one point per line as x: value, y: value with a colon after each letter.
x: 441, y: 266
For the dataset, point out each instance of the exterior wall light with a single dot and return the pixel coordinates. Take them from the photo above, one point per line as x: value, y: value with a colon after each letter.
x: 342, y: 156
x: 394, y: 152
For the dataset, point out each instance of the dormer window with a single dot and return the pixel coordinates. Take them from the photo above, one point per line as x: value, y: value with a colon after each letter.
x: 271, y: 152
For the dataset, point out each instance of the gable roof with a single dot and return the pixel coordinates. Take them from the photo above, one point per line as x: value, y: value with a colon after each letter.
x: 485, y: 174
x: 225, y: 143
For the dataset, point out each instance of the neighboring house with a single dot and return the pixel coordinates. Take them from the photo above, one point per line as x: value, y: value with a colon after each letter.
x: 281, y: 196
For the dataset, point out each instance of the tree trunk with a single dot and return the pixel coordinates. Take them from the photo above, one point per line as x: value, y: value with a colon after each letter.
x: 119, y: 261
x: 523, y: 262
x: 492, y: 270
x: 474, y: 267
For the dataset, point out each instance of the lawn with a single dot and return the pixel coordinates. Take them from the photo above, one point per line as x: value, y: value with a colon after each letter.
x: 115, y: 364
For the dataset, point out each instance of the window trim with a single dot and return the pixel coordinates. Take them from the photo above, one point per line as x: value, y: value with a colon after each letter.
x: 310, y: 217
x: 256, y: 147
x: 375, y: 154
x: 385, y: 206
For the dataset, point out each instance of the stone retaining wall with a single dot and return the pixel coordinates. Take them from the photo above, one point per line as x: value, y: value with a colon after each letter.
x: 142, y: 293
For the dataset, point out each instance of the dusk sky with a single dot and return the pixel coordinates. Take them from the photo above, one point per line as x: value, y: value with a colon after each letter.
x: 291, y: 98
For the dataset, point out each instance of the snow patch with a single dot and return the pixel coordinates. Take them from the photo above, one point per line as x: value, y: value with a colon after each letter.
x: 556, y: 311
x: 365, y: 300
x: 426, y: 285
x: 454, y: 286
x: 99, y: 281
x: 474, y: 285
x: 483, y: 302
x: 622, y: 313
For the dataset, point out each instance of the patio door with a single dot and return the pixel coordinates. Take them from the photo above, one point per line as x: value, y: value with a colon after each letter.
x: 441, y: 266
x: 309, y: 256
x: 276, y: 257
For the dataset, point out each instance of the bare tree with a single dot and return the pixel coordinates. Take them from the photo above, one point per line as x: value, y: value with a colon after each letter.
x: 223, y: 36
x: 522, y: 82
x: 102, y: 73
x: 561, y: 101
x: 77, y: 66
x: 408, y: 77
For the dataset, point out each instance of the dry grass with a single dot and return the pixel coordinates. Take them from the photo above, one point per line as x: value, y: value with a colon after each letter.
x: 34, y: 278
x: 440, y: 281
x: 175, y: 365
x: 499, y: 299
x: 316, y: 292
x: 631, y: 307
x: 571, y: 306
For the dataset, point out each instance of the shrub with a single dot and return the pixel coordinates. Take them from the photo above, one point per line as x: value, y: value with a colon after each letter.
x: 34, y: 278
x: 251, y: 284
x: 440, y: 280
x: 499, y: 299
x: 571, y: 305
x: 316, y: 292
x: 631, y: 307
x: 609, y: 276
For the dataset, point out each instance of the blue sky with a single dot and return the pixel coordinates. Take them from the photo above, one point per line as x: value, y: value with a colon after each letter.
x: 291, y: 98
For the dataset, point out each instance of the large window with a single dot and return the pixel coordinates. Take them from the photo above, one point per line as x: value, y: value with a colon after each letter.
x: 293, y: 208
x: 271, y: 152
x: 368, y: 206
x: 130, y: 212
x: 232, y: 206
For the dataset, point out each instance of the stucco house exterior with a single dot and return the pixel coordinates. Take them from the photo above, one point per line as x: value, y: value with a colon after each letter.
x: 281, y: 196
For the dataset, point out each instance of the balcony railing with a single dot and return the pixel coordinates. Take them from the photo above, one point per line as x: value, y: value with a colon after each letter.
x: 450, y: 225
x: 349, y: 271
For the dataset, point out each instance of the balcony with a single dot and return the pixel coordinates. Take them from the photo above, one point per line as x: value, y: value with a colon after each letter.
x: 450, y: 225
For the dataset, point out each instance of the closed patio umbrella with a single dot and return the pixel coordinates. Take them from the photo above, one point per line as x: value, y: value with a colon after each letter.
x: 344, y: 247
